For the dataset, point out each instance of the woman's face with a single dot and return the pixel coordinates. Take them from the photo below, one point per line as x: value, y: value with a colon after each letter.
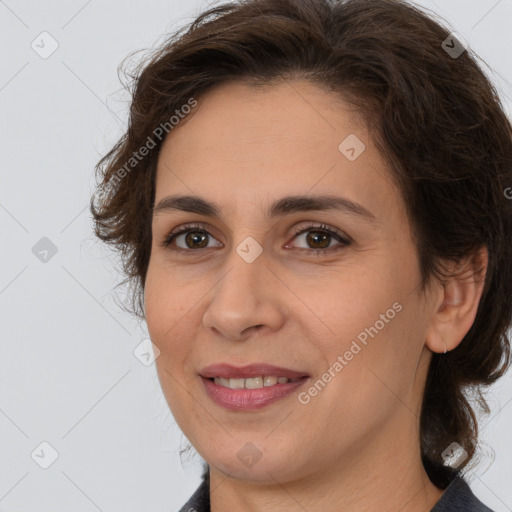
x: 343, y: 309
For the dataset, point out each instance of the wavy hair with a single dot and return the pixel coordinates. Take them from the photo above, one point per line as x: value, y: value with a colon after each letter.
x: 434, y: 116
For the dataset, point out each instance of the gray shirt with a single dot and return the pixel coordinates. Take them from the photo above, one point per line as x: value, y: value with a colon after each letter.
x: 457, y: 497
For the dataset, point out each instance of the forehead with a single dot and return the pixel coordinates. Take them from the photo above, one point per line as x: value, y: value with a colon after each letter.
x: 244, y: 142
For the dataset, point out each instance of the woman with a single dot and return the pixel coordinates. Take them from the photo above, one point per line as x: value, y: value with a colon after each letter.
x: 310, y: 201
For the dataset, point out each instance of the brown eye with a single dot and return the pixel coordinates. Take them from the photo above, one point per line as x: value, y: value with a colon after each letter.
x: 318, y: 239
x: 189, y: 238
x: 195, y: 239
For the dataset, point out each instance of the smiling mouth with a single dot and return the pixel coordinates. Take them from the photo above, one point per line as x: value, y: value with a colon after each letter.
x: 252, y: 382
x: 250, y: 387
x: 251, y: 393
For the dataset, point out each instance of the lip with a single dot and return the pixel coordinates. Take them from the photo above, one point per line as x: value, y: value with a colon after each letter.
x: 249, y: 399
x: 228, y: 371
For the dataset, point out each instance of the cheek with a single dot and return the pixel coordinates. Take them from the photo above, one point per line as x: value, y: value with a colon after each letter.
x: 166, y: 318
x: 166, y: 314
x: 165, y: 300
x: 356, y: 302
x: 374, y: 328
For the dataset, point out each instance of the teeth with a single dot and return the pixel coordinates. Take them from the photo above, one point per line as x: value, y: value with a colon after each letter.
x: 237, y: 383
x: 252, y: 383
x: 269, y: 381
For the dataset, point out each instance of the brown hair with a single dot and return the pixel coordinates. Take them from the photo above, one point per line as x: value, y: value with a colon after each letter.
x: 435, y: 117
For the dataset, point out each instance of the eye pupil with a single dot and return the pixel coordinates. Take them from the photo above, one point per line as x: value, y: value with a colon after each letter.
x: 314, y: 236
x: 194, y: 236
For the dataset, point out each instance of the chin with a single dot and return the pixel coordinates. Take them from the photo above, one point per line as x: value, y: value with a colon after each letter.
x: 262, y: 472
x: 251, y: 462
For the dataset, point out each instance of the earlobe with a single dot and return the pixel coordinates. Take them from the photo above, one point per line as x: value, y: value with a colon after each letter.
x: 456, y: 306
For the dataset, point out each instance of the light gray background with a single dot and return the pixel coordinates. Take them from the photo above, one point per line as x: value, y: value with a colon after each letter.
x: 68, y: 375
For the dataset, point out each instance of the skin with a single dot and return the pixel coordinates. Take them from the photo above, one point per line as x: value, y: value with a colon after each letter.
x: 355, y: 445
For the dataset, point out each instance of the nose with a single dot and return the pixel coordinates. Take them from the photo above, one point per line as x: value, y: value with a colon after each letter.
x: 246, y: 299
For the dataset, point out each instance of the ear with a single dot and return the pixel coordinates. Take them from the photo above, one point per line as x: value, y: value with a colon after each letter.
x: 456, y: 303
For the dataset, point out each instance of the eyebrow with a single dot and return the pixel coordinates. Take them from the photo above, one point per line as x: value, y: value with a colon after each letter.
x: 281, y: 207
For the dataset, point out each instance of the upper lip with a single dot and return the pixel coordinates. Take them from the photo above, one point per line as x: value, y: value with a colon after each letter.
x: 229, y: 371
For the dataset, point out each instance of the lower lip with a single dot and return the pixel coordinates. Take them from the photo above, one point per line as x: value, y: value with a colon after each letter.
x: 249, y: 399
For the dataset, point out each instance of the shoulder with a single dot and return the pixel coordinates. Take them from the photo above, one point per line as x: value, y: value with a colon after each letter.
x: 458, y: 496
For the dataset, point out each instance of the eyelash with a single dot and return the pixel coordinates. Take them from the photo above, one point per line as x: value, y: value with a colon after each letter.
x: 345, y: 240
